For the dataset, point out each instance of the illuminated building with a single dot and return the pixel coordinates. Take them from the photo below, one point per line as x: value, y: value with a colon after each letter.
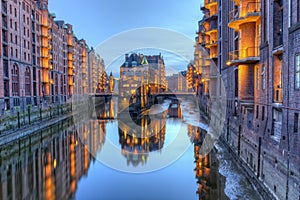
x: 141, y: 76
x: 96, y: 72
x: 111, y: 83
x: 42, y: 62
x: 177, y: 82
x: 258, y: 59
x: 193, y: 77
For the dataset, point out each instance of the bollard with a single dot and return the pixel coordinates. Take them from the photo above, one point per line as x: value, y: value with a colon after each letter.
x: 19, y: 124
x: 41, y: 117
x: 29, y: 114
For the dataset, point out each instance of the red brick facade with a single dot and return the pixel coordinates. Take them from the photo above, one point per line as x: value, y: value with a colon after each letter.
x: 42, y: 61
x: 258, y: 48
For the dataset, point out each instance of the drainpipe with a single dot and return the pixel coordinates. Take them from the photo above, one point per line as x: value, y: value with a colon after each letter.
x: 288, y: 135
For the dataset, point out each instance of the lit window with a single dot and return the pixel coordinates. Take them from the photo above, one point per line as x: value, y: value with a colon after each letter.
x: 297, y: 71
x: 257, y: 78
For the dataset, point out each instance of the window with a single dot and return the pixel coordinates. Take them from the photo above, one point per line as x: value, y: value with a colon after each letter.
x: 27, y: 82
x: 263, y: 114
x: 297, y: 71
x: 263, y: 78
x: 257, y: 78
x: 298, y: 11
x: 257, y: 112
x: 15, y: 80
x: 16, y: 26
x: 56, y: 84
x: 296, y: 121
x: 15, y: 12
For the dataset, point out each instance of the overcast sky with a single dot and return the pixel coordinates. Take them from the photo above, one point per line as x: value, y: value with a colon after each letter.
x: 98, y: 20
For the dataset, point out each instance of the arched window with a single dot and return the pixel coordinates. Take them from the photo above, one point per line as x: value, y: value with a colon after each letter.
x: 56, y: 84
x: 61, y: 84
x: 15, y: 81
x: 27, y: 82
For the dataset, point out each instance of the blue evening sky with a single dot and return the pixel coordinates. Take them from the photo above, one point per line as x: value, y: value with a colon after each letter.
x: 97, y: 20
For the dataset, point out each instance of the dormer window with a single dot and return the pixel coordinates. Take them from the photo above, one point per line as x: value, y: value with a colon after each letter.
x: 134, y: 63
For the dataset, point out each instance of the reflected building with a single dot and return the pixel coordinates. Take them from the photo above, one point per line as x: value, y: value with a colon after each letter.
x: 136, y: 144
x: 49, y: 163
x: 211, y: 184
x: 106, y: 108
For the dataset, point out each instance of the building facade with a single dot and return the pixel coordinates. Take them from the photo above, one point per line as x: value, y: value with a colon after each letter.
x: 177, y: 82
x: 42, y: 61
x: 141, y: 76
x: 258, y: 60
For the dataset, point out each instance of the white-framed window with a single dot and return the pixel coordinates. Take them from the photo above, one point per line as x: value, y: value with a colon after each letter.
x: 297, y: 71
x: 263, y: 77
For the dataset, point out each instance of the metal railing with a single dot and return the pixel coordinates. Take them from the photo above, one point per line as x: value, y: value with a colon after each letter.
x: 245, y: 10
x: 4, y: 23
x: 4, y: 9
x: 244, y: 53
x: 4, y: 38
x: 209, y: 1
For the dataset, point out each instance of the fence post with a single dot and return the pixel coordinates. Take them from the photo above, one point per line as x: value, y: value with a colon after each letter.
x: 29, y: 115
x: 50, y: 111
x: 19, y: 124
x: 41, y: 117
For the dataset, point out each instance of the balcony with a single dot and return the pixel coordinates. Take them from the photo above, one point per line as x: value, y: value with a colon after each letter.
x: 278, y: 95
x: 70, y: 72
x: 244, y: 56
x: 4, y: 9
x: 4, y: 23
x: 212, y: 43
x: 210, y: 16
x: 211, y: 30
x: 5, y: 70
x: 4, y: 39
x: 213, y: 56
x: 210, y: 3
x: 246, y: 13
x: 5, y: 54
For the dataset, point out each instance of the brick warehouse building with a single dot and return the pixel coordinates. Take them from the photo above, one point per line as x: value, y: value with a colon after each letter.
x: 41, y: 62
x: 259, y: 62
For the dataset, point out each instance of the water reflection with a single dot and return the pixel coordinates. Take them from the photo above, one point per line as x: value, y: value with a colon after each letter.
x: 136, y: 144
x: 50, y: 163
x: 211, y: 184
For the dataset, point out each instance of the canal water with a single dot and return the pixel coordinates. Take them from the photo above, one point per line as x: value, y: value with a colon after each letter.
x: 103, y: 157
